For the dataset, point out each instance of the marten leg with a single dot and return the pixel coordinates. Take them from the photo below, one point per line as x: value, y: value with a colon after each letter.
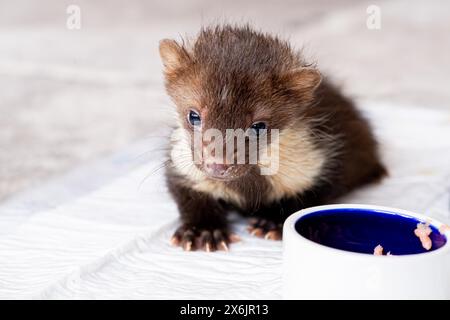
x: 204, y: 224
x: 267, y: 221
x: 266, y: 228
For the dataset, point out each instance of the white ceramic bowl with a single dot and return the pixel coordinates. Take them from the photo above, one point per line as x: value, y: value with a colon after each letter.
x: 315, y: 271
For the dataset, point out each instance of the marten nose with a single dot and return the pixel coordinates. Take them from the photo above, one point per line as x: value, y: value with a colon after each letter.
x: 217, y: 169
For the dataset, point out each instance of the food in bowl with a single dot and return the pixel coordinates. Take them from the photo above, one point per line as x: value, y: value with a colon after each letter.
x: 423, y: 232
x: 328, y: 254
x: 378, y: 251
x: 359, y: 230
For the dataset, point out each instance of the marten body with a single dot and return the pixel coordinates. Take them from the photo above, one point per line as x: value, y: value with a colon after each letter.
x: 236, y: 78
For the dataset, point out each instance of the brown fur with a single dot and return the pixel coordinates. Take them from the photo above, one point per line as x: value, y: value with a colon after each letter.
x: 234, y: 76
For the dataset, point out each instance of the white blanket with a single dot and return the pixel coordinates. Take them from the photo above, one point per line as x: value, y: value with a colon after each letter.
x: 103, y: 232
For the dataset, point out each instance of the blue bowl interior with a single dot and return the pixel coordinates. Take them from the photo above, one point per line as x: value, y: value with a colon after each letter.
x: 361, y: 230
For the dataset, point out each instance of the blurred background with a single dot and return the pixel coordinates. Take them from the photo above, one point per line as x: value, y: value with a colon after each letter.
x: 70, y: 96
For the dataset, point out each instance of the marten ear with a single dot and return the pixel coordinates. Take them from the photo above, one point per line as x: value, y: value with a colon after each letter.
x: 305, y: 79
x: 172, y: 54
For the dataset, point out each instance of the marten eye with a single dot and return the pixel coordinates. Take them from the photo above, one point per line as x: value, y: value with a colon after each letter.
x: 257, y: 127
x: 194, y: 118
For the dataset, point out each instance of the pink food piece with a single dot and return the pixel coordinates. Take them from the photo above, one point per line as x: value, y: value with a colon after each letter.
x: 426, y: 242
x: 378, y: 251
x: 423, y: 231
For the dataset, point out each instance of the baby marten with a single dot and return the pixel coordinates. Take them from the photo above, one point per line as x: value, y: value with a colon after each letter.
x: 237, y: 78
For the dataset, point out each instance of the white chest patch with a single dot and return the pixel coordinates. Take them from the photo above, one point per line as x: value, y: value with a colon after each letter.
x: 300, y: 163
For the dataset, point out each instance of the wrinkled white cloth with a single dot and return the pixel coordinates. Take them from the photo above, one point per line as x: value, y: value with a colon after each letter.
x: 104, y: 233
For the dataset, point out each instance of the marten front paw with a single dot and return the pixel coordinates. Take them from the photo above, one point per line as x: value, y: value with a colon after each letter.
x: 265, y: 228
x: 191, y: 238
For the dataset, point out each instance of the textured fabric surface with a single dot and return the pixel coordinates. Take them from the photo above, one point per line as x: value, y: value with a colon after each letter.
x: 107, y: 235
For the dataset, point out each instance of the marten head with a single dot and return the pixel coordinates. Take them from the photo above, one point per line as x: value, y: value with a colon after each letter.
x: 233, y: 78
